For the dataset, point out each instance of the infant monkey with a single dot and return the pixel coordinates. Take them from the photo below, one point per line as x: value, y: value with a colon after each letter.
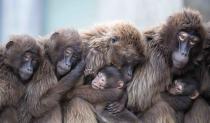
x: 108, y: 87
x: 180, y: 95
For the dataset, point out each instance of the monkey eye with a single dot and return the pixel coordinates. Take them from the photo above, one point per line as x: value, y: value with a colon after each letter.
x: 34, y: 61
x: 68, y: 52
x: 194, y: 40
x: 182, y: 36
x: 27, y: 57
x: 114, y: 39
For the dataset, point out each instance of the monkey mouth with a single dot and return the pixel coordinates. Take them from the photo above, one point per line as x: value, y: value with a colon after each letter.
x: 95, y: 86
x: 62, y: 70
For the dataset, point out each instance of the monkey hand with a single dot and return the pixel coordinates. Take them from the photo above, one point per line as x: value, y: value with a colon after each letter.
x: 71, y: 78
x: 115, y: 107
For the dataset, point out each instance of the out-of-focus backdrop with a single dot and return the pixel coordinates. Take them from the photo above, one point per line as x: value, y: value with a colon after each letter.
x: 39, y: 17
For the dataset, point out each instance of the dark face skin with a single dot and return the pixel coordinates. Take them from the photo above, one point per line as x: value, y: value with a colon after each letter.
x: 28, y: 65
x: 66, y: 61
x: 186, y: 42
x: 127, y: 72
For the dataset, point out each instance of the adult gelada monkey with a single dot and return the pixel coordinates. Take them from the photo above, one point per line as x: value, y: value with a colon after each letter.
x: 172, y: 45
x: 180, y: 96
x: 58, y: 72
x: 108, y: 86
x: 115, y: 43
x: 19, y: 61
x: 200, y: 108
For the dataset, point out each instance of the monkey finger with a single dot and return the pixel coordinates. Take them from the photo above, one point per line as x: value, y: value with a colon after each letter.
x: 114, y: 110
x: 111, y: 105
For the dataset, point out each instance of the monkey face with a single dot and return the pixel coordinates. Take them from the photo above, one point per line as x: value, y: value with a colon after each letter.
x: 186, y: 42
x: 64, y: 50
x: 23, y: 56
x: 28, y: 65
x: 68, y: 59
x: 184, y: 87
x: 176, y: 88
x: 99, y: 82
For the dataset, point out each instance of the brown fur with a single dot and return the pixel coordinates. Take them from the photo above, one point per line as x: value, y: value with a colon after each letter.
x: 153, y: 77
x: 42, y: 98
x: 2, y: 49
x: 35, y: 104
x: 102, y: 52
x: 79, y: 111
x: 199, y: 113
x: 12, y: 88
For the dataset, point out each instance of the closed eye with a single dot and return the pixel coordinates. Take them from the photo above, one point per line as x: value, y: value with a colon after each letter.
x: 114, y: 39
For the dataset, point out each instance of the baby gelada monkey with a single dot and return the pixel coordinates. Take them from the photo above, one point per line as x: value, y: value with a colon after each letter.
x: 109, y: 77
x: 181, y: 93
x: 108, y: 86
x: 184, y: 87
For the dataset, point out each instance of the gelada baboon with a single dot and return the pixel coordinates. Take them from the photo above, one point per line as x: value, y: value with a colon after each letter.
x: 58, y: 72
x: 180, y: 96
x: 169, y: 47
x: 21, y: 57
x: 2, y: 49
x: 200, y: 108
x: 117, y: 43
x: 205, y: 62
x: 107, y: 87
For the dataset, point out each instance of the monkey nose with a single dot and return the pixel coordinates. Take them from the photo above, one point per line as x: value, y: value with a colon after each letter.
x: 184, y: 53
x: 30, y: 70
x: 68, y: 65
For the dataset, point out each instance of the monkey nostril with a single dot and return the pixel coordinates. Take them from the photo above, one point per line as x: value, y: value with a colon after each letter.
x: 68, y: 65
x: 29, y: 70
x: 184, y: 54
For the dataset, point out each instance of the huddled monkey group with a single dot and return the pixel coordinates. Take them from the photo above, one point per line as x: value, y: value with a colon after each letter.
x: 109, y: 73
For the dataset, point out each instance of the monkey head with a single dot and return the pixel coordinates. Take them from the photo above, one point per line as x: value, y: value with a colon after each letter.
x: 108, y: 77
x: 23, y: 55
x: 184, y: 33
x: 64, y: 50
x: 118, y: 43
x: 184, y: 87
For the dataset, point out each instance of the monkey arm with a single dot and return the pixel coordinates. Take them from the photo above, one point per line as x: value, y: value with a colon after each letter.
x: 38, y: 100
x: 179, y: 103
x: 95, y: 96
x: 67, y: 82
x: 52, y: 97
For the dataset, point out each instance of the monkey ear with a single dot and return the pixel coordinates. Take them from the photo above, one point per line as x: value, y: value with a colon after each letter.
x: 120, y: 84
x: 9, y: 44
x: 194, y: 95
x: 54, y: 36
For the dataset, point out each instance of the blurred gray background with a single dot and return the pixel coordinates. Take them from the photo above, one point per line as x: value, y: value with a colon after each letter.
x: 39, y: 17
